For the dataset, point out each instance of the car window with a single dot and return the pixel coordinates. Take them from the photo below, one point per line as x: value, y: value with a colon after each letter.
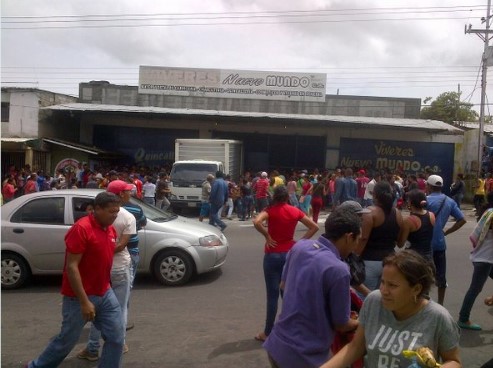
x: 79, y: 206
x: 152, y: 213
x: 192, y: 172
x: 41, y: 211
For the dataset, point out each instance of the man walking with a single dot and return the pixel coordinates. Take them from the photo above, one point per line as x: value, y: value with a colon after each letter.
x: 443, y: 207
x: 205, y: 207
x: 316, y: 301
x: 125, y: 226
x: 218, y: 197
x: 86, y: 290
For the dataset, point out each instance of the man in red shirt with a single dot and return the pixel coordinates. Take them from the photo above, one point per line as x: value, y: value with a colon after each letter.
x: 86, y: 289
x: 31, y: 185
x: 261, y: 189
x: 361, y: 182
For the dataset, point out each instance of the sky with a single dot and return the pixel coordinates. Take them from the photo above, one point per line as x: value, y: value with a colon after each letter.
x: 385, y: 48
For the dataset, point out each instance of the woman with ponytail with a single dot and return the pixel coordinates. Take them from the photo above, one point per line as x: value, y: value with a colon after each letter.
x: 380, y: 231
x: 418, y: 226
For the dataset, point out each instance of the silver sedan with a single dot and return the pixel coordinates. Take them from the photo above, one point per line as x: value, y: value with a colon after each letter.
x: 172, y: 248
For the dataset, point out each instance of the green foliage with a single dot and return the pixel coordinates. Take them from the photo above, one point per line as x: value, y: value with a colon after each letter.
x: 448, y: 108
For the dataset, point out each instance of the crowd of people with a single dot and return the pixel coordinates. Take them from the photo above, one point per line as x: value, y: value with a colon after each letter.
x: 352, y: 291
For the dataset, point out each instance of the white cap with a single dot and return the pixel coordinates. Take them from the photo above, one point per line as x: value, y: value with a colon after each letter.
x: 264, y: 174
x: 435, y: 181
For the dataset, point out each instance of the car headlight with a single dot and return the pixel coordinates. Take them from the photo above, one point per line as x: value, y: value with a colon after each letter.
x: 173, y: 196
x: 210, y: 241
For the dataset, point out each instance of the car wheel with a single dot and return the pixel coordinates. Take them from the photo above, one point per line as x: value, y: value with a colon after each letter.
x: 173, y: 268
x: 15, y: 272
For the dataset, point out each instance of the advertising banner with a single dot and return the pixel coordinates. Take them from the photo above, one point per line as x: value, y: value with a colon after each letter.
x: 408, y: 157
x: 225, y: 83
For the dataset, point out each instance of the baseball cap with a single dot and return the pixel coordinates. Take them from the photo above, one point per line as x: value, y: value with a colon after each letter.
x: 118, y: 186
x: 354, y: 206
x: 264, y: 174
x: 435, y: 181
x: 362, y: 172
x: 99, y: 176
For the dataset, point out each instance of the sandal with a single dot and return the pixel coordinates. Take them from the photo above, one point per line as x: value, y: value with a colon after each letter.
x: 261, y: 336
x: 469, y: 326
x: 489, y: 301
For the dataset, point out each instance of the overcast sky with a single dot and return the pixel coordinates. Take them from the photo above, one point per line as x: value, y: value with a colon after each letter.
x: 392, y: 48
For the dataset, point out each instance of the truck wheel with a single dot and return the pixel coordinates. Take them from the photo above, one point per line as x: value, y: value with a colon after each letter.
x: 15, y: 271
x: 173, y: 267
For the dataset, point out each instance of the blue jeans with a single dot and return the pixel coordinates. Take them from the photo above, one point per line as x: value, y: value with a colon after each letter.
x: 108, y: 319
x: 135, y: 259
x: 245, y: 206
x: 373, y: 271
x: 293, y: 200
x: 440, y: 261
x: 150, y: 200
x: 480, y: 274
x: 214, y: 219
x: 273, y: 266
x: 120, y: 283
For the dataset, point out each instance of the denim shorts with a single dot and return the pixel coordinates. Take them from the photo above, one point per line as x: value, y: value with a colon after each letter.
x: 440, y: 261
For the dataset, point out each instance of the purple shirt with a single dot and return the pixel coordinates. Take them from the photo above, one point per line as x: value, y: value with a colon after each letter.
x: 316, y: 299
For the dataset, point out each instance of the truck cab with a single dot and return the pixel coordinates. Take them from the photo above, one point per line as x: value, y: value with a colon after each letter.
x: 186, y: 178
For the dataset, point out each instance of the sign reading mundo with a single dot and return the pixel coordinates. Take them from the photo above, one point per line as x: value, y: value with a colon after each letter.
x: 232, y: 83
x: 402, y: 156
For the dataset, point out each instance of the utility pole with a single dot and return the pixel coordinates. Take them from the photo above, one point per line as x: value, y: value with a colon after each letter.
x: 484, y: 34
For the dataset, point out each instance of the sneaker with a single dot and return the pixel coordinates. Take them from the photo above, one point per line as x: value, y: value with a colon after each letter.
x: 85, y: 354
x: 224, y: 227
x: 125, y: 349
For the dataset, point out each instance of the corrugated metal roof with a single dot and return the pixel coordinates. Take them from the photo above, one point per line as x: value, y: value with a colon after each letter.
x: 488, y: 128
x: 433, y: 125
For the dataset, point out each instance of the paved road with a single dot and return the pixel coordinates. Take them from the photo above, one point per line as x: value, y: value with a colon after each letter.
x: 209, y: 323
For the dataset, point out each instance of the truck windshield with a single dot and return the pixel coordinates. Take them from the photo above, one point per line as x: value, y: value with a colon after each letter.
x: 192, y: 172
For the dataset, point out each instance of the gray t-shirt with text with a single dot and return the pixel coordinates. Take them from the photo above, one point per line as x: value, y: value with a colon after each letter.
x: 386, y: 337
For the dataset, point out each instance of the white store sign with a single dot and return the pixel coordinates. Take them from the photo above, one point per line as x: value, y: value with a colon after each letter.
x: 232, y: 83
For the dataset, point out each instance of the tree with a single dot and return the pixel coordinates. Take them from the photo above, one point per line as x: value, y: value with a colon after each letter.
x: 448, y: 108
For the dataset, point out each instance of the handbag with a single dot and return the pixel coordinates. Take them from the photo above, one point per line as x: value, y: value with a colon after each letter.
x: 356, y: 269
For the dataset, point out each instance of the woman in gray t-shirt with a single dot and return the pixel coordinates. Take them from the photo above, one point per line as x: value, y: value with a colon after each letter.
x: 399, y: 317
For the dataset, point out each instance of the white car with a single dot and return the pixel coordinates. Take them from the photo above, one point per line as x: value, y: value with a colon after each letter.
x: 172, y: 248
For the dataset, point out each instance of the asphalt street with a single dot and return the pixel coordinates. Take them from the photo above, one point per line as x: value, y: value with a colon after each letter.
x: 211, y: 322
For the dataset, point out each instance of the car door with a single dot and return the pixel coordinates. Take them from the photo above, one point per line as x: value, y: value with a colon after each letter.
x: 39, y: 227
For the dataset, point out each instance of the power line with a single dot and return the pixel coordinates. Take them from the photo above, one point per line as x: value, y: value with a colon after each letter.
x: 153, y: 17
x: 311, y: 21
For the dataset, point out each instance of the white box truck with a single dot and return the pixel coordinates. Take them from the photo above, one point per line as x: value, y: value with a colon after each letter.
x: 194, y: 159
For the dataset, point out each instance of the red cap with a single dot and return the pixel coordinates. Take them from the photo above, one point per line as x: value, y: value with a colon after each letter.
x: 362, y: 172
x: 118, y: 186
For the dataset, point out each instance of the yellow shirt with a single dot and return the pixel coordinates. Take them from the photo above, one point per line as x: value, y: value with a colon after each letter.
x: 480, y: 189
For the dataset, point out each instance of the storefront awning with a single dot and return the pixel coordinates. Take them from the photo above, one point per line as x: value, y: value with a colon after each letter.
x: 80, y: 147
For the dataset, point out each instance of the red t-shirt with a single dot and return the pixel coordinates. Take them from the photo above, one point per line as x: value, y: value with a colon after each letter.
x: 97, y: 244
x: 283, y: 219
x: 261, y: 187
x: 362, y: 182
x: 8, y: 191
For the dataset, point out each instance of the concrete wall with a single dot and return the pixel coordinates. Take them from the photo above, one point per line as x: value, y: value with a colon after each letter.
x: 24, y: 110
x: 109, y: 94
x: 26, y: 119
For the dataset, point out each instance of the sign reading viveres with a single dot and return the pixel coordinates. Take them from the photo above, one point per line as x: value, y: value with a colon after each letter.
x: 232, y: 83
